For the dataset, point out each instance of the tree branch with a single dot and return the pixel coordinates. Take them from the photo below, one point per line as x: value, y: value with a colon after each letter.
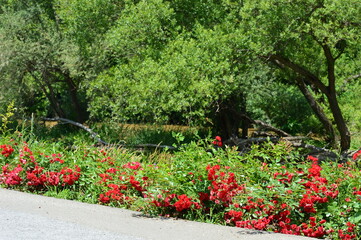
x: 265, y: 126
x: 330, y: 67
x: 317, y: 109
x: 92, y: 133
x: 282, y: 61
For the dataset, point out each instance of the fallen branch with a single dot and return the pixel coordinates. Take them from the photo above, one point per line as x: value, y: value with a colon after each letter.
x: 244, y: 146
x: 273, y: 129
x: 292, y: 140
x: 92, y: 133
x: 257, y: 140
x: 104, y: 143
x: 314, y: 149
x: 265, y: 126
x: 148, y: 145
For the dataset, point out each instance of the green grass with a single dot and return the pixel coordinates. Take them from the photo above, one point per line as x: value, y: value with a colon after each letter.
x: 114, y: 133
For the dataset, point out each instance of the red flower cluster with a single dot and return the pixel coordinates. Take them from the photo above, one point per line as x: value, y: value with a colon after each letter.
x: 136, y: 184
x: 317, y: 189
x: 349, y: 233
x: 6, y: 150
x: 118, y: 181
x: 284, y: 177
x: 31, y: 173
x: 179, y: 203
x: 274, y: 216
x: 184, y: 203
x: 56, y: 158
x: 356, y: 155
x: 11, y: 177
x: 277, y: 216
x: 114, y: 194
x: 223, y: 186
x: 33, y: 177
x: 218, y: 141
x: 315, y: 170
x: 133, y: 165
x: 233, y: 216
x: 69, y: 176
x: 65, y: 177
x: 314, y: 228
x: 269, y: 216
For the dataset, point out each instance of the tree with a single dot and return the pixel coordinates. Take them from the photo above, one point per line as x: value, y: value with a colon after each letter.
x: 166, y: 64
x: 165, y: 71
x: 33, y: 56
x: 307, y: 39
x: 181, y: 61
x: 84, y: 23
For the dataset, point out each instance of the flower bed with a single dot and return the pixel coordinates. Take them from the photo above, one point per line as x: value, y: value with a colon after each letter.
x: 270, y: 189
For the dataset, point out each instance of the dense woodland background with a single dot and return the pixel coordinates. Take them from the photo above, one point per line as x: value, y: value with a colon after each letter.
x: 295, y: 64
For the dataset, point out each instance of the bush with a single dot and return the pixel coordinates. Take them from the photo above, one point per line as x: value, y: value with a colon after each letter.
x: 281, y: 105
x: 270, y: 188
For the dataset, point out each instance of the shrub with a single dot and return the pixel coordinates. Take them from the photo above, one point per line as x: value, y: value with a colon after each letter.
x: 270, y: 188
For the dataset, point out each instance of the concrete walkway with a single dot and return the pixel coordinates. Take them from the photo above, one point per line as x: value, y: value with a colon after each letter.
x: 27, y: 216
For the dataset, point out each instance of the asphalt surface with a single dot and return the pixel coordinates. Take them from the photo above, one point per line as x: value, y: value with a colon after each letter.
x: 27, y: 216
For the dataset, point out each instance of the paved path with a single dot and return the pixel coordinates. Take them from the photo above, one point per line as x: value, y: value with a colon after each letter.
x: 27, y: 216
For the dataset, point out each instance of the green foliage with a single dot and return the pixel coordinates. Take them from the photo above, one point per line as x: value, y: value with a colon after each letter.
x: 6, y: 119
x: 84, y: 23
x: 175, y: 61
x: 282, y: 23
x: 143, y: 28
x: 41, y: 78
x: 349, y: 101
x: 205, y: 12
x: 281, y: 105
x: 311, y: 41
x: 189, y: 79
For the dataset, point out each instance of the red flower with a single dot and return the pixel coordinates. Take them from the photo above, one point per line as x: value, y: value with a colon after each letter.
x: 356, y: 155
x: 313, y: 159
x: 112, y: 170
x: 136, y: 184
x: 33, y: 177
x: 218, y: 141
x: 132, y: 165
x: 234, y: 216
x: 7, y: 150
x: 56, y: 159
x: 104, y: 199
x: 314, y: 171
x: 52, y: 178
x: 70, y: 176
x: 203, y: 196
x: 223, y: 187
x: 11, y: 177
x: 183, y: 203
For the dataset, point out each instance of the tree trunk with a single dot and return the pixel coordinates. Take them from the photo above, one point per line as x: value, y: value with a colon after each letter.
x: 327, y: 124
x: 73, y: 91
x: 329, y: 90
x: 53, y: 99
x: 245, y: 122
x: 227, y: 116
x: 340, y: 122
x: 332, y: 99
x: 227, y: 125
x: 50, y: 95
